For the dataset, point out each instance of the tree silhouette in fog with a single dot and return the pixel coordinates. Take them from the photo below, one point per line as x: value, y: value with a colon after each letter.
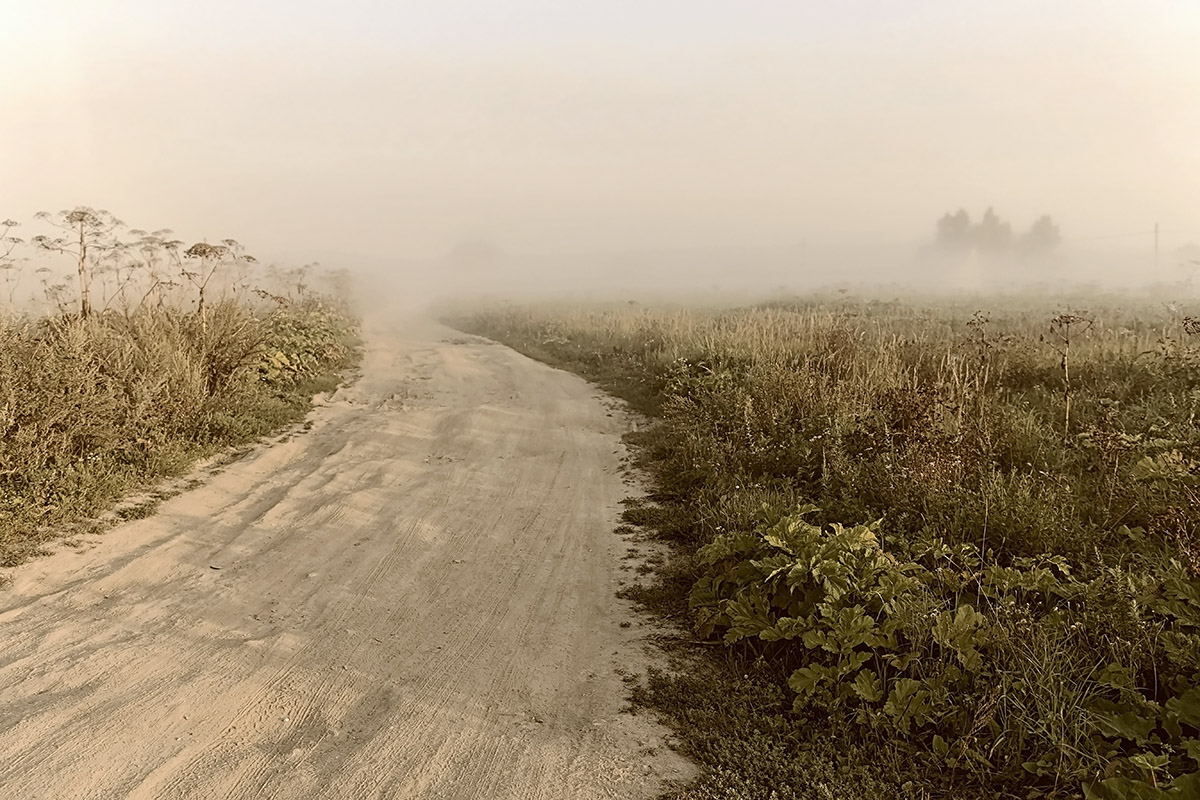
x: 957, y: 232
x: 954, y: 230
x: 1043, y: 235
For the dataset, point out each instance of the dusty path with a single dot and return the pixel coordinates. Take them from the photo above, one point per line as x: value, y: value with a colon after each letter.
x: 413, y: 599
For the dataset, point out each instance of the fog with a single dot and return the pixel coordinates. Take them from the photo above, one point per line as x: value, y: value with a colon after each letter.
x: 622, y: 145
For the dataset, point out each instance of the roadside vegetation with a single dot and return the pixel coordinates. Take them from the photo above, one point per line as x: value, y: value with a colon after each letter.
x: 940, y: 551
x: 150, y: 356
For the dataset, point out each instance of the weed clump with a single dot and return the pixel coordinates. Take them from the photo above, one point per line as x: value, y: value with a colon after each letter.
x: 91, y: 407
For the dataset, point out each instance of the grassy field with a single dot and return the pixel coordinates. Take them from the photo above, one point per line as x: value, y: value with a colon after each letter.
x: 92, y: 408
x: 945, y: 549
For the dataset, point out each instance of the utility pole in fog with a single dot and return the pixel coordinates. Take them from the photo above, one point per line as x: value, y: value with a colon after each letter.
x: 1156, y: 248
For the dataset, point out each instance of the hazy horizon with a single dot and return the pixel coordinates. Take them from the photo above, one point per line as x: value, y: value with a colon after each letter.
x: 399, y: 132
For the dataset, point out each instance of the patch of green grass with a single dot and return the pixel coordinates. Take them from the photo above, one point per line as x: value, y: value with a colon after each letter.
x: 735, y: 721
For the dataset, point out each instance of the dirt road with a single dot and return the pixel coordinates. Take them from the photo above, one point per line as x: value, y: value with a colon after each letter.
x: 414, y: 599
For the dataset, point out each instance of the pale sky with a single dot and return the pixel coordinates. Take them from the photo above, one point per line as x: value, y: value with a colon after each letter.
x: 406, y: 127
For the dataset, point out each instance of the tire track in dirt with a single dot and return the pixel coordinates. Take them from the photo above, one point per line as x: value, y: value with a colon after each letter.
x: 415, y: 598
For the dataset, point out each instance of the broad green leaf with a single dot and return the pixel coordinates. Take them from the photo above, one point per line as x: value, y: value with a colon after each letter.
x: 906, y: 703
x: 1120, y: 789
x: 960, y: 631
x: 749, y: 615
x: 851, y: 627
x: 940, y: 748
x: 806, y: 680
x: 866, y: 686
x: 1125, y: 726
x: 1185, y: 787
x: 814, y: 638
x: 1123, y: 720
x: 1186, y: 707
x: 1115, y: 676
x: 786, y: 628
x: 1151, y: 762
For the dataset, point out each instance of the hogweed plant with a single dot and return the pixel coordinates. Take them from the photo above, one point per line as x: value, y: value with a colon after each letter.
x: 88, y: 236
x: 10, y: 264
x: 1061, y: 328
x: 203, y: 260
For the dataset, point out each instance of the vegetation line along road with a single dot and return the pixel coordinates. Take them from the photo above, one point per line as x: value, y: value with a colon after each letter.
x: 952, y: 552
x: 148, y: 356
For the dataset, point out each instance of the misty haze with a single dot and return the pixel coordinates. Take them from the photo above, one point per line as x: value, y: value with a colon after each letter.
x: 683, y: 400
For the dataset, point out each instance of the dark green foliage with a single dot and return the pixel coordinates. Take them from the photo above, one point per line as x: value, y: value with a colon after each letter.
x: 750, y: 746
x: 1026, y: 675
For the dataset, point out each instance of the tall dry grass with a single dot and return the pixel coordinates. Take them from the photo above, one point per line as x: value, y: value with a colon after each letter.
x: 91, y: 408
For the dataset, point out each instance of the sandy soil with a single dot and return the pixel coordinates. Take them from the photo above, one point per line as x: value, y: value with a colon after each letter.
x: 414, y: 599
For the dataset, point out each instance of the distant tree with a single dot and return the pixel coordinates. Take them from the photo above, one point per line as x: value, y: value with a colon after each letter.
x: 1043, y: 236
x: 954, y: 230
x: 90, y: 236
x: 993, y: 234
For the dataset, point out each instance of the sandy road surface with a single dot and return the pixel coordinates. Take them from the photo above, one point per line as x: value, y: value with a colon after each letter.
x: 413, y: 599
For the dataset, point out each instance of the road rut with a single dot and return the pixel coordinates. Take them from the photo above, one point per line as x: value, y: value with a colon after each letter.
x: 412, y: 599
